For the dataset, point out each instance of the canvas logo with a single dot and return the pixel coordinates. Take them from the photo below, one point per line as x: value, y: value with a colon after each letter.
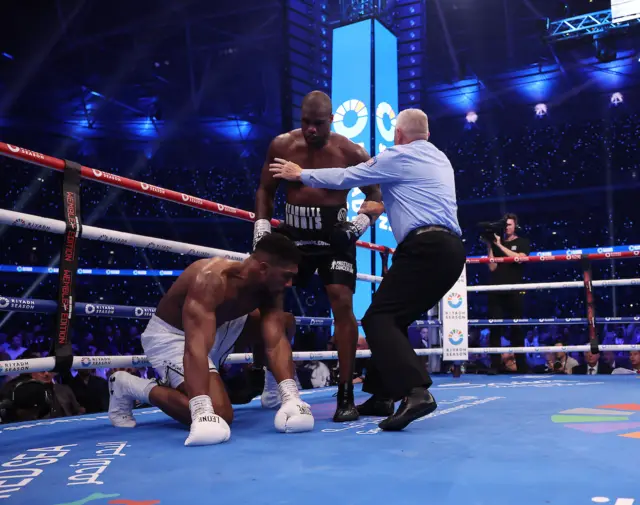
x: 102, y: 498
x: 618, y: 501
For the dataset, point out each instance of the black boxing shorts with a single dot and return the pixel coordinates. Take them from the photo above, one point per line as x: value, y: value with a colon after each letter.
x: 310, y: 229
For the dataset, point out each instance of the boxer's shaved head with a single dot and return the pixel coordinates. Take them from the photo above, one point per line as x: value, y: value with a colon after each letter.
x: 316, y: 118
x: 317, y: 101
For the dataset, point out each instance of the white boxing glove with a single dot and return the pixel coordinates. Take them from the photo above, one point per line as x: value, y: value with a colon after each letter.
x: 207, y: 428
x: 295, y: 415
x: 261, y: 228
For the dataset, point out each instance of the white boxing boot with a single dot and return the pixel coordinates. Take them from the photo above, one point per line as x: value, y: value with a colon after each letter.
x: 124, y: 390
x: 207, y: 428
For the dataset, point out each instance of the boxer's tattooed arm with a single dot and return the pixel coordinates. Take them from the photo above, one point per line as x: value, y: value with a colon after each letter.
x: 357, y: 155
x: 276, y: 342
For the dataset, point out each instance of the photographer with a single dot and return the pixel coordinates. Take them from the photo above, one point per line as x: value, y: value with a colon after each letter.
x: 506, y: 304
x: 35, y: 395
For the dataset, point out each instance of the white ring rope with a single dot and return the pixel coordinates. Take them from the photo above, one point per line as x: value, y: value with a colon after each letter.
x: 93, y: 362
x: 553, y: 285
x: 38, y: 223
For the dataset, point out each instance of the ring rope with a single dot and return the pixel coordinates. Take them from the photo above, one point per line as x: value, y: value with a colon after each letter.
x: 551, y: 258
x: 37, y: 306
x: 92, y: 362
x: 31, y: 222
x: 42, y: 160
x: 123, y: 272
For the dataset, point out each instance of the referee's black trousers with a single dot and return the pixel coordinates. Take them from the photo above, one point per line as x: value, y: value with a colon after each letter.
x: 425, y: 266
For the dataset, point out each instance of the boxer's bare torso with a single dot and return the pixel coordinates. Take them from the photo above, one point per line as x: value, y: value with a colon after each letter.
x: 236, y: 296
x: 338, y: 152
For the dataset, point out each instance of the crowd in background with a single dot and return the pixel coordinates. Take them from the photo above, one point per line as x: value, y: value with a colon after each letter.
x: 572, y: 186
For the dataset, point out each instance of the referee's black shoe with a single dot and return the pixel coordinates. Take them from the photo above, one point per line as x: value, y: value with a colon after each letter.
x: 376, y: 406
x: 418, y: 403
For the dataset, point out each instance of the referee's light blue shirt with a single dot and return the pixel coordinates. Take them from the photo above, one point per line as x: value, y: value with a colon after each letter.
x: 417, y: 183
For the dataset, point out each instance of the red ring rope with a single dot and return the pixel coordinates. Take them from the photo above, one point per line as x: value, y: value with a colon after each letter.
x: 35, y: 158
x: 43, y: 160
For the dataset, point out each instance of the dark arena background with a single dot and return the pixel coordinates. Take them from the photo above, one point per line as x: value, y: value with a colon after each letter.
x: 164, y: 111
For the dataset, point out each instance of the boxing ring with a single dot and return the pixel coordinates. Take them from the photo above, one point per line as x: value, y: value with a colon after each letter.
x: 532, y: 440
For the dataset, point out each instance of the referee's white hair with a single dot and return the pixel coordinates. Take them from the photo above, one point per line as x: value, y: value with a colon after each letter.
x: 413, y: 123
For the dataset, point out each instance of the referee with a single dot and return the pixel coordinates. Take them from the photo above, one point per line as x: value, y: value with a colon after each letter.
x: 419, y: 196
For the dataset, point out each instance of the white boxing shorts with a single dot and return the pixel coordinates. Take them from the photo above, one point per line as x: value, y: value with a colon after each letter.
x: 164, y: 347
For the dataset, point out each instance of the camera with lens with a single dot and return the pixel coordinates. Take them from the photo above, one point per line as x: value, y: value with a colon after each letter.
x: 489, y: 229
x: 28, y: 400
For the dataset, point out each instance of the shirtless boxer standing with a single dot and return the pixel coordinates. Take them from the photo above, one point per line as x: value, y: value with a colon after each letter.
x: 316, y: 221
x: 197, y: 321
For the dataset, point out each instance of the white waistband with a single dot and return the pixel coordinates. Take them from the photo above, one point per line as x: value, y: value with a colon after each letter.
x: 156, y: 320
